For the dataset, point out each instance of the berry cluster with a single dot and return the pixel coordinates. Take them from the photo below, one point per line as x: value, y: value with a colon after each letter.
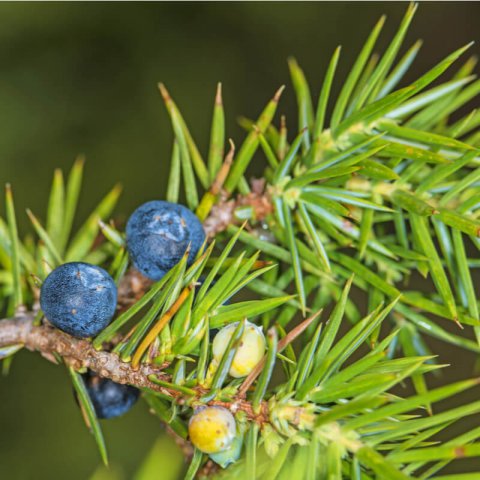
x: 80, y: 299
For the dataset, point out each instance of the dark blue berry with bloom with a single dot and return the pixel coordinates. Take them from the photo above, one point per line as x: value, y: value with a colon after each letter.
x: 158, y: 233
x: 110, y: 399
x: 79, y: 299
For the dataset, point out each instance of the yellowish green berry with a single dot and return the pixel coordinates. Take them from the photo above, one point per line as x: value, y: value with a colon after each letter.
x: 249, y: 352
x: 212, y: 429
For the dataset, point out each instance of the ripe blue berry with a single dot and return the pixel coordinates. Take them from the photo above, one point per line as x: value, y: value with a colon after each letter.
x: 79, y: 299
x: 158, y: 233
x: 110, y: 399
x: 212, y: 429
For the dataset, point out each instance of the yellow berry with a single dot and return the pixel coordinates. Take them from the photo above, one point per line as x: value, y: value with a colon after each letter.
x: 249, y: 352
x: 212, y: 429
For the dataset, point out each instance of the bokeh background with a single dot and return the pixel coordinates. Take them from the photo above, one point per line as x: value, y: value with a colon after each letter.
x: 81, y: 78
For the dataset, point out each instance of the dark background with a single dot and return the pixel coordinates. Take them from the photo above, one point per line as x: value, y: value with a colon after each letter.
x: 81, y: 78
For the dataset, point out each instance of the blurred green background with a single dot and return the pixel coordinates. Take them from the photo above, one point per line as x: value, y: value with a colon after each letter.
x: 81, y: 78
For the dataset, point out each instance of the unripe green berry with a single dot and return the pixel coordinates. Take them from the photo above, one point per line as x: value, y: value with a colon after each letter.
x: 249, y: 352
x: 212, y: 429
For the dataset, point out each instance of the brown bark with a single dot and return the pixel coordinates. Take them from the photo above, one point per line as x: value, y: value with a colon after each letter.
x: 223, y: 213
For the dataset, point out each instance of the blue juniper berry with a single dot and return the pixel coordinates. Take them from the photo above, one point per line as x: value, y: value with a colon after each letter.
x: 109, y: 399
x: 79, y: 299
x: 158, y: 234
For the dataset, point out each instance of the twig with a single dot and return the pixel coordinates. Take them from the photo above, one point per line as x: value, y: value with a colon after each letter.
x: 80, y: 354
x: 223, y: 213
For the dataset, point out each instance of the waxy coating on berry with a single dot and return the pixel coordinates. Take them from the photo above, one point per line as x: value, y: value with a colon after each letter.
x: 212, y: 429
x: 158, y: 234
x: 250, y: 351
x: 79, y: 299
x: 231, y: 454
x: 110, y: 399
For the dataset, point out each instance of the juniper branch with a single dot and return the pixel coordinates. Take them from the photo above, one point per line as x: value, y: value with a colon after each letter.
x: 76, y: 352
x: 389, y: 159
x: 80, y: 354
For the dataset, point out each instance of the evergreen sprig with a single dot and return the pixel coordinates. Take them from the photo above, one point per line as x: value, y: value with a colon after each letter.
x: 376, y: 185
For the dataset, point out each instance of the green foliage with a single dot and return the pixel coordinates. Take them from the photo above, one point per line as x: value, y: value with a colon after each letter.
x: 385, y: 187
x: 88, y: 412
